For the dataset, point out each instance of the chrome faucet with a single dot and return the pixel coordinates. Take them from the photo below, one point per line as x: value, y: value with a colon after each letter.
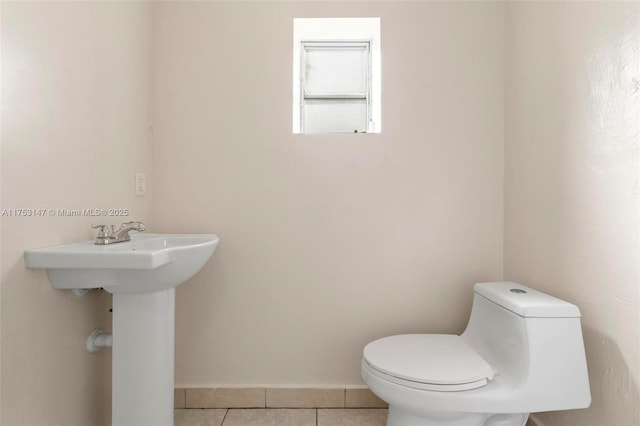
x: 108, y: 234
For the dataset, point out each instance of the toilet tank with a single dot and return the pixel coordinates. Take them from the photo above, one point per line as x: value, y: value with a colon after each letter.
x: 534, y: 343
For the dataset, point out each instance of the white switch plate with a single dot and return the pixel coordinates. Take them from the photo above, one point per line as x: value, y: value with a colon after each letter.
x: 141, y: 184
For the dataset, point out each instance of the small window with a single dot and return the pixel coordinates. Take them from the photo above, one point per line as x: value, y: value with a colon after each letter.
x: 335, y: 87
x: 336, y: 75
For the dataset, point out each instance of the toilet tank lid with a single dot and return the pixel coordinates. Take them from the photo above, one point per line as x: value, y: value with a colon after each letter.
x: 525, y: 301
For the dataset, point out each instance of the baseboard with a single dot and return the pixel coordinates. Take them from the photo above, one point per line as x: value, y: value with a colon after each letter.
x: 277, y: 397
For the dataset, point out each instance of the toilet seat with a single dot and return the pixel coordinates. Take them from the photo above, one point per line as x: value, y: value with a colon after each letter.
x: 438, y: 362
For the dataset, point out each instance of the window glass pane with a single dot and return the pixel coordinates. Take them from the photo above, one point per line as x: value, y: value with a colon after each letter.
x: 336, y: 70
x: 335, y: 116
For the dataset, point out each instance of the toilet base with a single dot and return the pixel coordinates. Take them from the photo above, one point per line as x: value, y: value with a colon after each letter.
x: 400, y: 417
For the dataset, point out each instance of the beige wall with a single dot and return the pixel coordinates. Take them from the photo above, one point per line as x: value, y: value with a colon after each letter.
x: 327, y: 242
x: 571, y: 175
x: 75, y: 128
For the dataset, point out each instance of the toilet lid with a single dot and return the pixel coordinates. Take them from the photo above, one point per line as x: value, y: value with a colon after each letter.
x: 437, y: 361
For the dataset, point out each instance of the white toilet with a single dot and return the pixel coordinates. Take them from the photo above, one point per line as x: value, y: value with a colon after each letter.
x: 522, y: 352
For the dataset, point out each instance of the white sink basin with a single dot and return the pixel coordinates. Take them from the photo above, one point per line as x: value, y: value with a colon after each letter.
x: 147, y: 263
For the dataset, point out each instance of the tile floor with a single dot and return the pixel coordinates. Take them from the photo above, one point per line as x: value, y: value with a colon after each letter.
x: 284, y: 417
x: 281, y: 417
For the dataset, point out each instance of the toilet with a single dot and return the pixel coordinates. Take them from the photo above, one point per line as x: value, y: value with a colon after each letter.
x: 522, y: 352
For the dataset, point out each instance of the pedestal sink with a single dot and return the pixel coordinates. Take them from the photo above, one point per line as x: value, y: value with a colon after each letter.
x: 142, y: 275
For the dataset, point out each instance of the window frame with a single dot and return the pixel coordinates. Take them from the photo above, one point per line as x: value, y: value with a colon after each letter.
x: 313, y: 44
x: 341, y: 29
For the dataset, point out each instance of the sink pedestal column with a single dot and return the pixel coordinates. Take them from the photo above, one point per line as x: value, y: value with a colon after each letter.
x: 143, y: 356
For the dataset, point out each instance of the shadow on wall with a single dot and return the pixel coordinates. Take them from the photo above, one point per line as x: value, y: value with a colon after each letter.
x: 608, y: 375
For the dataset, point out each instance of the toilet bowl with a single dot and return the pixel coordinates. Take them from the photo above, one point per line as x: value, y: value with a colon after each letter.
x: 522, y: 352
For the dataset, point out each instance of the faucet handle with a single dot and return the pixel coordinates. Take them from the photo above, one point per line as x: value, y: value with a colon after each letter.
x: 133, y: 225
x: 104, y: 231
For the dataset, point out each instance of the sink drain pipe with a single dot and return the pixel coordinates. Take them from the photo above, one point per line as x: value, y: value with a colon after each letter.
x: 81, y: 292
x: 99, y: 339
